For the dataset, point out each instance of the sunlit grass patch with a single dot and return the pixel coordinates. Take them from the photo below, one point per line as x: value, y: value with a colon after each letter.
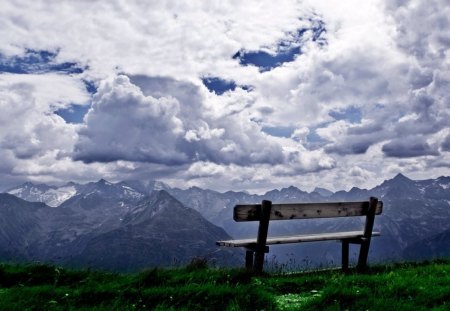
x: 289, y: 302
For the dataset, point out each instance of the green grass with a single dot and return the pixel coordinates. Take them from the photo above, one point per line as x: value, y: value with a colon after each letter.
x: 411, y: 286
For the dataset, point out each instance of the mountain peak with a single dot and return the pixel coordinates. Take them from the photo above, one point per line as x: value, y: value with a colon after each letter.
x: 400, y: 176
x: 399, y: 183
x: 104, y: 182
x: 163, y: 194
x: 399, y: 179
x: 145, y: 186
x: 291, y: 189
x: 323, y: 192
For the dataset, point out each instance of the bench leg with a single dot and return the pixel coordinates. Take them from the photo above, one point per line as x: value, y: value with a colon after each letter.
x: 261, y: 239
x: 259, y: 262
x: 345, y: 251
x: 249, y: 260
x: 368, y: 227
x: 363, y: 254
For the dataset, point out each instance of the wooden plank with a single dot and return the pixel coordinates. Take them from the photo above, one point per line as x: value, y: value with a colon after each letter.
x: 297, y: 238
x: 251, y: 212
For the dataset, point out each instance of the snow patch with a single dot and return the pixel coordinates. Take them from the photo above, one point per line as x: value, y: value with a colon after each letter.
x: 159, y: 186
x: 52, y: 197
x: 132, y: 193
x: 17, y: 192
x: 59, y: 195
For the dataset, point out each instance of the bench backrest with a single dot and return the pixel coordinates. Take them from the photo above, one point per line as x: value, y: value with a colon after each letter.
x: 252, y: 212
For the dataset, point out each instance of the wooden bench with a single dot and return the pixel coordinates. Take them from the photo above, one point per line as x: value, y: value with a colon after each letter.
x: 256, y: 248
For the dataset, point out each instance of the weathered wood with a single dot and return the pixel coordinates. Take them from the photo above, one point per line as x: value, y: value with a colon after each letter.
x: 368, y: 227
x: 266, y: 211
x: 351, y: 236
x: 261, y: 239
x: 251, y: 212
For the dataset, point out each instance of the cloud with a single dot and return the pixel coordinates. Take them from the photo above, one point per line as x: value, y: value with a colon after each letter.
x: 258, y: 177
x: 28, y: 127
x: 205, y: 169
x: 35, y: 143
x: 409, y: 147
x: 446, y: 144
x: 300, y: 134
x: 160, y: 38
x: 428, y: 40
x: 397, y: 86
x: 166, y: 121
x: 124, y: 124
x: 371, y: 98
x: 302, y: 162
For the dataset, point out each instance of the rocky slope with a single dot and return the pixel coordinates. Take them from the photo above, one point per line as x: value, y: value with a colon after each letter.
x: 436, y: 246
x: 106, y: 228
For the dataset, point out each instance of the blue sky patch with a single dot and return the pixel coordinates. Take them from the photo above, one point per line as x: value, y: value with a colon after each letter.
x: 286, y: 50
x: 278, y: 131
x: 73, y: 114
x: 314, y: 140
x: 218, y: 85
x: 265, y: 61
x: 90, y: 87
x: 351, y: 114
x: 37, y: 62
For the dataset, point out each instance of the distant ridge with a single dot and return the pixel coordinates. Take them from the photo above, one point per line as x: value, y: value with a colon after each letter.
x: 323, y: 192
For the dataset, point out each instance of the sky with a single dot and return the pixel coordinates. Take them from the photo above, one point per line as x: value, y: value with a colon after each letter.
x: 226, y: 95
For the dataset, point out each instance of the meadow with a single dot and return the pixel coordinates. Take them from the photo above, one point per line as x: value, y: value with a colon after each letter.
x: 401, y: 286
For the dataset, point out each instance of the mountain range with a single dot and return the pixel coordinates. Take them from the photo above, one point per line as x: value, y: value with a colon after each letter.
x: 108, y: 226
x: 132, y: 224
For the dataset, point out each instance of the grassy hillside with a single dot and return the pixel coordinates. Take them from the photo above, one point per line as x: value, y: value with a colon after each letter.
x: 415, y: 287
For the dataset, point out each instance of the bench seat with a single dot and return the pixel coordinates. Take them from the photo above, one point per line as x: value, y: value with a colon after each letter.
x: 266, y: 211
x: 349, y: 235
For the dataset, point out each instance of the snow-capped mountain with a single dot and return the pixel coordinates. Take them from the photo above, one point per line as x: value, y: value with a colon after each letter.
x: 50, y: 195
x: 56, y: 195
